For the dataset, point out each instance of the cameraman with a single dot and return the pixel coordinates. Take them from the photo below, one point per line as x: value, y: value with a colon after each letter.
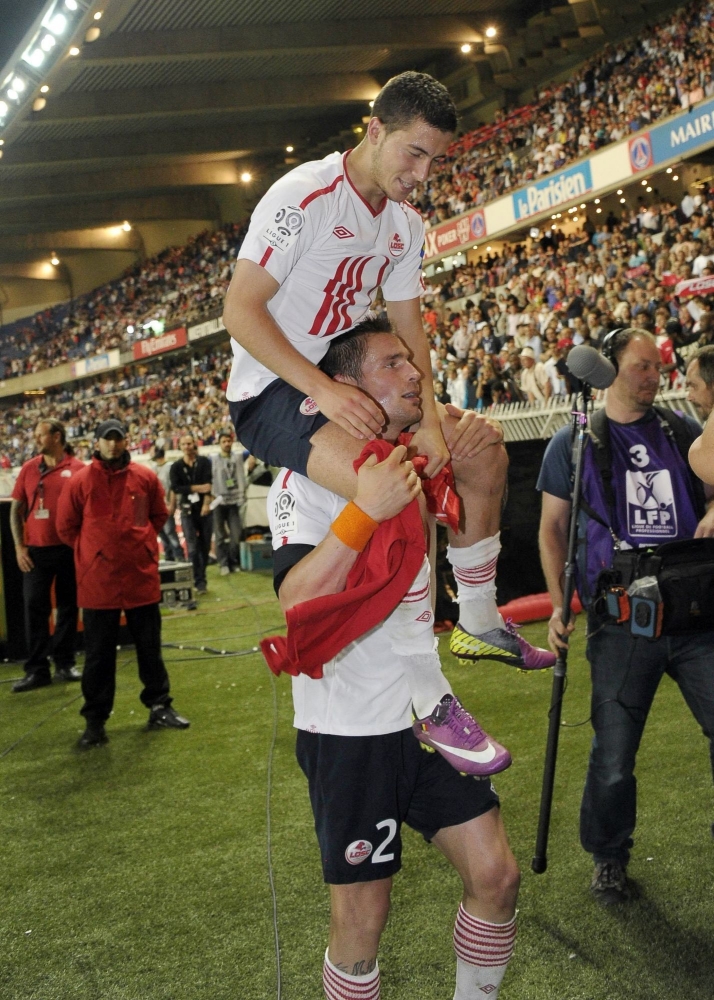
x: 638, y: 492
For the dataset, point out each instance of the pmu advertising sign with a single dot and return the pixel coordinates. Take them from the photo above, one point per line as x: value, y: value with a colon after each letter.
x: 553, y: 191
x: 680, y: 136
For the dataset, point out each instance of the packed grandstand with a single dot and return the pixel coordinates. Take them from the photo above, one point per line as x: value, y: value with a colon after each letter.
x: 622, y: 89
x: 500, y: 326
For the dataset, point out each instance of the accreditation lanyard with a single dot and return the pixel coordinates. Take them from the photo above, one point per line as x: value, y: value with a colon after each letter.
x: 41, y: 513
x: 191, y: 472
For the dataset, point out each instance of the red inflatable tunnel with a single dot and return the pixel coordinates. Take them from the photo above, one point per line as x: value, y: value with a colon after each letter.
x: 534, y: 608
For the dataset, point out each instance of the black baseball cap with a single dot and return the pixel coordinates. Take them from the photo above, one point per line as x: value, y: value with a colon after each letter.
x: 109, y: 426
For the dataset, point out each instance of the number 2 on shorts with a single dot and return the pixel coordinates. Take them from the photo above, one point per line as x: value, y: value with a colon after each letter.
x: 379, y: 854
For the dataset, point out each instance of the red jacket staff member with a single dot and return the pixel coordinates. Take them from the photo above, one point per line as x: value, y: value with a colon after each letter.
x: 111, y: 515
x: 43, y: 559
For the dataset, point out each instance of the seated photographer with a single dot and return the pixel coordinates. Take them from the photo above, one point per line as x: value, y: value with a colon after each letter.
x: 638, y: 493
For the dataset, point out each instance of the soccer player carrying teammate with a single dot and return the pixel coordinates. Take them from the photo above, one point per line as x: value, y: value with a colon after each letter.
x: 366, y: 772
x: 321, y: 242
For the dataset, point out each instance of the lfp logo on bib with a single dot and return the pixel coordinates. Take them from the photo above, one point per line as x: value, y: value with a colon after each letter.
x: 650, y: 504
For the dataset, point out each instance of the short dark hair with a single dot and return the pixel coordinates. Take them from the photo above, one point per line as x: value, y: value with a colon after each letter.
x: 411, y: 97
x: 159, y: 452
x: 705, y: 357
x: 225, y: 434
x: 346, y: 353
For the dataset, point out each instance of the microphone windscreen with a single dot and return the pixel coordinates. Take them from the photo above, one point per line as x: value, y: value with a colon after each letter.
x: 590, y: 366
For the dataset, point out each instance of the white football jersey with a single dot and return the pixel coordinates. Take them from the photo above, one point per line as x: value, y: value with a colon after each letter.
x: 330, y: 251
x: 363, y: 690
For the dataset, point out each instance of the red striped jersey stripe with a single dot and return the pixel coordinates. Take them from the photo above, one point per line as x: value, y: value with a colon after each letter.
x: 320, y: 191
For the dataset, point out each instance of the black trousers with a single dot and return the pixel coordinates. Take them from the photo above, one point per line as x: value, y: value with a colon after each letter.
x: 198, y: 531
x: 101, y: 634
x: 52, y: 563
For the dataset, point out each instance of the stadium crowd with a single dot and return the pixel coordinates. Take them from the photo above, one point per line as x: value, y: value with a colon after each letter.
x: 625, y: 87
x: 519, y: 313
x: 181, y: 285
x: 156, y: 402
x: 500, y: 329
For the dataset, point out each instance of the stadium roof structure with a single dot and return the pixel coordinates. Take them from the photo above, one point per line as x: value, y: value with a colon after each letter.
x: 148, y: 109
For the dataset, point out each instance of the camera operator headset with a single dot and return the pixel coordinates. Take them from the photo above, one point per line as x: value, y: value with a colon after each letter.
x: 638, y: 492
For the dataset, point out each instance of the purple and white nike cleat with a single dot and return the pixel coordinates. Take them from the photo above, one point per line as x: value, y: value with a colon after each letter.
x: 502, y: 644
x: 456, y: 735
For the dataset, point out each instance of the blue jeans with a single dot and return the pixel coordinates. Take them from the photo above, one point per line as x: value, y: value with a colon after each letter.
x: 625, y: 673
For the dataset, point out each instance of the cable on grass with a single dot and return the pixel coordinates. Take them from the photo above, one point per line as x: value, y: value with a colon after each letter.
x: 213, y: 656
x: 212, y: 653
x: 38, y: 725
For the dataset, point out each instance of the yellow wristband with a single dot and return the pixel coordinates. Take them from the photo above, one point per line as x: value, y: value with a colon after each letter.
x: 353, y: 527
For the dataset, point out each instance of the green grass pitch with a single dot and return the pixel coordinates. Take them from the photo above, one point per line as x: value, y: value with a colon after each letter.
x: 138, y: 871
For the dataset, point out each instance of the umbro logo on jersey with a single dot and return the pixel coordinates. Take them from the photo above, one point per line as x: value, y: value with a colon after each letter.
x: 358, y: 851
x: 489, y: 988
x: 396, y: 245
x: 342, y: 233
x: 424, y: 617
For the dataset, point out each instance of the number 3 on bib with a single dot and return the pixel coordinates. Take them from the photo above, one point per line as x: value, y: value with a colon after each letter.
x: 639, y: 456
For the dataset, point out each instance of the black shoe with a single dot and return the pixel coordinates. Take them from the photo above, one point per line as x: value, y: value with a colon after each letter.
x: 67, y: 674
x: 164, y: 717
x: 93, y: 736
x: 31, y: 681
x: 609, y: 884
x: 201, y: 589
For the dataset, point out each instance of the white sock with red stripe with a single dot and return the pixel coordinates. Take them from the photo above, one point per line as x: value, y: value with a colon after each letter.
x: 339, y: 986
x: 475, y: 574
x: 483, y: 951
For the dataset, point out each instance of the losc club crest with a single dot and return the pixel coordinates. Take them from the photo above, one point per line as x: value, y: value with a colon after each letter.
x: 396, y: 245
x: 358, y: 851
x: 309, y: 407
x: 641, y: 152
x: 478, y: 225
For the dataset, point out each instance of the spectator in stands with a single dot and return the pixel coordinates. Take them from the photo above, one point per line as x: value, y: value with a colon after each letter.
x: 534, y: 378
x: 191, y: 480
x: 44, y: 559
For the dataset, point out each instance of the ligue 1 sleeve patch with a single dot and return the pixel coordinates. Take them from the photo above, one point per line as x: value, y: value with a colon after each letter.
x: 285, y: 228
x: 285, y: 515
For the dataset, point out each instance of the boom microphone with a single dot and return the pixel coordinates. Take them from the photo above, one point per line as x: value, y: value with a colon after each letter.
x: 590, y: 366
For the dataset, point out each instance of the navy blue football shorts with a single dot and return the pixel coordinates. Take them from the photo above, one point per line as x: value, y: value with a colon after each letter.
x: 276, y: 426
x: 362, y: 788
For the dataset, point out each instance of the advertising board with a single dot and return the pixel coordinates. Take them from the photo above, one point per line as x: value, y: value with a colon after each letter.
x: 158, y: 345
